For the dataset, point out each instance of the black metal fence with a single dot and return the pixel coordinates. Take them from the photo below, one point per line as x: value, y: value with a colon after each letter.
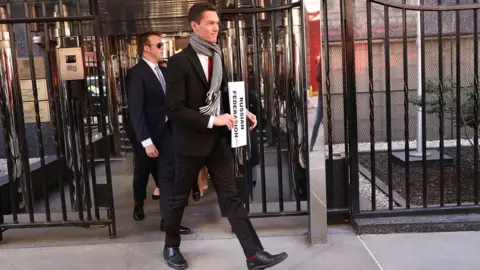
x: 57, y: 131
x: 35, y: 101
x: 265, y: 48
x: 419, y: 84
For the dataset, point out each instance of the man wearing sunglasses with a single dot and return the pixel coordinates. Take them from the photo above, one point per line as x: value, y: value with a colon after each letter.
x: 150, y: 130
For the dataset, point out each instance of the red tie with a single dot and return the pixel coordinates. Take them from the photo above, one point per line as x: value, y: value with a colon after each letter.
x: 210, y: 68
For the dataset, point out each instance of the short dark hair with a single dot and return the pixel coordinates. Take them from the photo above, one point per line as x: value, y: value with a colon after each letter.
x: 196, y: 11
x: 144, y: 38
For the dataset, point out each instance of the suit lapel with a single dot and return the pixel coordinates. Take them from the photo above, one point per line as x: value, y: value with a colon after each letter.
x: 193, y: 57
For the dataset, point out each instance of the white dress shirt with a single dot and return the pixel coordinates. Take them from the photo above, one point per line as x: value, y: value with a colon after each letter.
x: 153, y: 66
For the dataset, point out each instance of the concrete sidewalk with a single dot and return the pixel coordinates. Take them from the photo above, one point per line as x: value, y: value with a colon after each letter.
x: 345, y: 250
x: 201, y: 254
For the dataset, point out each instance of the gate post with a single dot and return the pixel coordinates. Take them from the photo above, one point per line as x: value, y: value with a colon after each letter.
x: 349, y: 47
x: 1, y: 218
x: 94, y: 10
x: 317, y: 169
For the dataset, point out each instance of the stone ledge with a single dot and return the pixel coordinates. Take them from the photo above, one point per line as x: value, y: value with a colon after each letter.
x: 49, y: 175
x: 415, y: 224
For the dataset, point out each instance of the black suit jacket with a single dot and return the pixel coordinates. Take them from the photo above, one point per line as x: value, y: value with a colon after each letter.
x: 187, y: 89
x: 146, y: 103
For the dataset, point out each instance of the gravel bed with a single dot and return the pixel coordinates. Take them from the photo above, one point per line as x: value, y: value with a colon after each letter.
x: 433, y: 177
x: 366, y: 191
x: 398, y: 145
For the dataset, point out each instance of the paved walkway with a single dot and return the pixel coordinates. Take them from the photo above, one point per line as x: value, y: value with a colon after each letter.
x: 345, y: 251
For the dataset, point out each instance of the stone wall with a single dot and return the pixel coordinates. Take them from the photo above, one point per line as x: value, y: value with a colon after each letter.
x: 395, y: 20
x: 397, y: 82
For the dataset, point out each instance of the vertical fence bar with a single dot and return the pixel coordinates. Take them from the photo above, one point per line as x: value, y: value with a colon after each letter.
x: 1, y: 222
x: 90, y: 139
x: 288, y: 100
x: 344, y: 81
x: 452, y: 116
x: 57, y: 94
x: 110, y: 47
x: 406, y: 107
x: 7, y: 132
x: 52, y: 95
x: 273, y: 61
x: 424, y: 113
x: 123, y: 69
x: 94, y: 11
x: 304, y: 103
x: 260, y: 112
x: 293, y: 108
x: 83, y: 158
x: 80, y: 107
x: 277, y: 109
x: 388, y: 104
x: 239, y: 77
x: 441, y: 103
x: 20, y: 123
x: 352, y: 106
x: 475, y: 108
x: 38, y: 123
x: 458, y: 103
x: 371, y: 90
x: 72, y: 116
x: 328, y: 93
x: 121, y: 62
x: 62, y: 31
x: 122, y: 79
x: 8, y: 122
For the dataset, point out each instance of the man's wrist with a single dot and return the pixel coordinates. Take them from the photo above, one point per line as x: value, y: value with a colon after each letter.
x: 211, y: 121
x: 147, y: 142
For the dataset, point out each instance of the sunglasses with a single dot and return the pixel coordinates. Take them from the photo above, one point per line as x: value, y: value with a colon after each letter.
x: 158, y: 45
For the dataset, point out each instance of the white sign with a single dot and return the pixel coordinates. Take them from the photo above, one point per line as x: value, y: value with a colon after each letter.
x: 27, y: 90
x: 238, y: 109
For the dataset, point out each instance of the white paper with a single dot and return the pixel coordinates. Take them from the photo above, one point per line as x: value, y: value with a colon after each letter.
x: 238, y: 109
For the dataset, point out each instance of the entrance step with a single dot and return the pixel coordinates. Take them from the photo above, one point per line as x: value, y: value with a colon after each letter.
x: 413, y: 224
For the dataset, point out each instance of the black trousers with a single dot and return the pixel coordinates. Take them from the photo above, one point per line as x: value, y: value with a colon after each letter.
x: 162, y: 169
x: 144, y: 166
x: 220, y: 166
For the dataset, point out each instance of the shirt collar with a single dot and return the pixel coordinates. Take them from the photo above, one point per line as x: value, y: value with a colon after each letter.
x: 151, y: 64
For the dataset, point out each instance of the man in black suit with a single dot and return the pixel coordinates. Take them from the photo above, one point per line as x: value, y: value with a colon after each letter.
x: 152, y: 131
x: 198, y: 106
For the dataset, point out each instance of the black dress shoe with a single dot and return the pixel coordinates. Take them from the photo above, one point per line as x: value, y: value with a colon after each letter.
x: 174, y: 258
x: 263, y: 260
x: 138, y: 213
x: 183, y: 230
x: 196, y: 193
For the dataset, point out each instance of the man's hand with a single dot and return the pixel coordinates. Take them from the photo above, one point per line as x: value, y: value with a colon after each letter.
x: 225, y: 120
x: 253, y: 120
x: 151, y: 151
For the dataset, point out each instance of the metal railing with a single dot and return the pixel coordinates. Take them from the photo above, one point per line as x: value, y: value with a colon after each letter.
x: 67, y: 113
x: 269, y: 58
x: 397, y: 178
